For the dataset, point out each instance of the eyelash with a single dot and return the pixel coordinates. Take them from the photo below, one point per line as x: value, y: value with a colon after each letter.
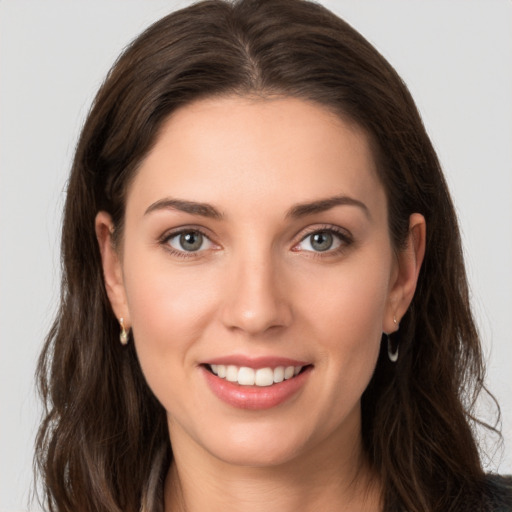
x: 343, y: 236
x: 183, y: 254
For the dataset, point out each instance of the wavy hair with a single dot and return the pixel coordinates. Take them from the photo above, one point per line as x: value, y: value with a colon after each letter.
x: 102, y: 425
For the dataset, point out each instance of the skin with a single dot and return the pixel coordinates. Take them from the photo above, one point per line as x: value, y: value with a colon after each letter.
x: 257, y: 287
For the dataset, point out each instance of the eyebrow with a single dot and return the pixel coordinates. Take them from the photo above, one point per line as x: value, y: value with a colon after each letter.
x: 192, y: 207
x: 322, y: 205
x: 296, y: 211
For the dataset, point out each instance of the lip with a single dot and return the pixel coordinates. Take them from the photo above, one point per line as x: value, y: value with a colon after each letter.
x: 256, y: 397
x: 256, y: 362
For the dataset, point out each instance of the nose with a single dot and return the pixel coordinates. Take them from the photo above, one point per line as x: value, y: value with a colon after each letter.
x: 256, y: 298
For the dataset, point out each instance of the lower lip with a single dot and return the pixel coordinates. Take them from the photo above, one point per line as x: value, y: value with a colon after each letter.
x: 255, y: 397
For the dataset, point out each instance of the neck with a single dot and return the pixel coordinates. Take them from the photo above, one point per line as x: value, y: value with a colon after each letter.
x: 328, y: 477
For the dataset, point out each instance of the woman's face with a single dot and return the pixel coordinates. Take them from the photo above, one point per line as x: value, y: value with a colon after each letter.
x: 256, y: 240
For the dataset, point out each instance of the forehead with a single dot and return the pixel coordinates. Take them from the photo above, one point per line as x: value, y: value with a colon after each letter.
x: 258, y: 152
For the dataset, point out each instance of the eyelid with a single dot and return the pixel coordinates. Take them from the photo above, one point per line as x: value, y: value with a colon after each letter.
x: 172, y: 233
x: 342, y: 234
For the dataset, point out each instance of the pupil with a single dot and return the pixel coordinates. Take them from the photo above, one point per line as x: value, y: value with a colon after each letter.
x: 191, y: 241
x: 321, y: 241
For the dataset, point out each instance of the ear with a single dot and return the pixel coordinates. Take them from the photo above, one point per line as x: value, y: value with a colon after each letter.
x: 405, y: 278
x: 112, y: 268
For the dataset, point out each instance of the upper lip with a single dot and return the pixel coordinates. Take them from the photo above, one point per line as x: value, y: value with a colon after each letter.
x: 256, y: 362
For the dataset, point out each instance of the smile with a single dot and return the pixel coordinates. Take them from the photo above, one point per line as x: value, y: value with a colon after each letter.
x: 263, y: 377
x: 256, y: 384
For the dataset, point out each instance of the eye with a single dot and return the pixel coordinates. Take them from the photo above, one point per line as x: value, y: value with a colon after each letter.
x: 322, y: 241
x: 189, y: 241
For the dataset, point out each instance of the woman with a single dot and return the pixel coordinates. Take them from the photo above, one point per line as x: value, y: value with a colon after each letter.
x: 264, y: 301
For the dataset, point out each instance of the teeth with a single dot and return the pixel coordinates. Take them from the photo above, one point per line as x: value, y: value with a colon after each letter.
x: 288, y: 372
x: 249, y: 377
x: 232, y: 373
x: 279, y: 374
x: 246, y: 376
x: 264, y: 377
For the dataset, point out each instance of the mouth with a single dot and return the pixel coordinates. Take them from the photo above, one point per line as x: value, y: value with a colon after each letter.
x: 256, y: 383
x: 261, y: 377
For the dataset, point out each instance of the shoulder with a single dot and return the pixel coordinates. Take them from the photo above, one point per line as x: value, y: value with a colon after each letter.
x: 498, y: 493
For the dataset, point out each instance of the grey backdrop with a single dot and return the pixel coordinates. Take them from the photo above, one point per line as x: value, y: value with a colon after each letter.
x: 455, y: 56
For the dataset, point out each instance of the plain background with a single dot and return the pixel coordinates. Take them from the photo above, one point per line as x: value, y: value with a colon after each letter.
x: 455, y: 56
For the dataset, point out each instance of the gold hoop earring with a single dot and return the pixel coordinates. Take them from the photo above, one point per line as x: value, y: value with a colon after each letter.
x: 123, y: 337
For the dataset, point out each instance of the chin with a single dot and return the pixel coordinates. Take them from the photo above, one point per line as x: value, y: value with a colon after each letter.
x: 256, y: 457
x: 247, y: 446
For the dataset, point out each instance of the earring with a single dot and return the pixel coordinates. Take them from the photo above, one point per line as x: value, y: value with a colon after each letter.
x: 392, y: 353
x: 123, y: 337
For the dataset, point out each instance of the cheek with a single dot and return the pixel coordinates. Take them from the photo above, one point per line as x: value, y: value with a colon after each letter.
x: 349, y: 302
x: 351, y: 333
x: 350, y: 325
x: 169, y: 311
x: 345, y: 314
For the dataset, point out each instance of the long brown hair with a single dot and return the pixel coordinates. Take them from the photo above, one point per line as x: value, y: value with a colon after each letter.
x: 103, y: 426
